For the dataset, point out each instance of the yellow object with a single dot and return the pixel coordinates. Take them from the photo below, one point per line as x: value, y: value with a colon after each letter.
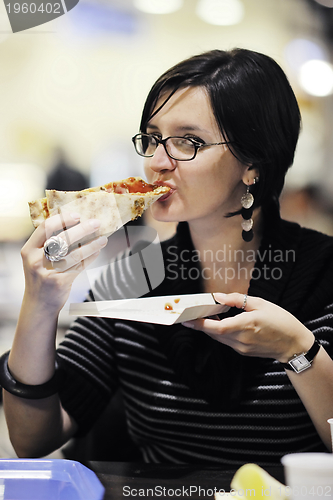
x: 253, y: 482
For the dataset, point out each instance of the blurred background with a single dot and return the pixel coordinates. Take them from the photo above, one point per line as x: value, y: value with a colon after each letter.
x: 72, y: 91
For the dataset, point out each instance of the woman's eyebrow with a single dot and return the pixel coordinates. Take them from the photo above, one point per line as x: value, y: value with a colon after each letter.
x: 192, y: 128
x: 150, y: 125
x: 182, y: 128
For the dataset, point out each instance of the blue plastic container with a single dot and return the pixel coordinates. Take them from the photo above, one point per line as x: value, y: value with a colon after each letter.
x: 44, y: 479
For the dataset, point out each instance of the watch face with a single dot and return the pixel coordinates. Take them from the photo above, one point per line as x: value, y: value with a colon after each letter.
x: 299, y: 363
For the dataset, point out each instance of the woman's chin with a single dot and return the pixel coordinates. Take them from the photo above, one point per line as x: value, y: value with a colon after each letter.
x: 162, y: 213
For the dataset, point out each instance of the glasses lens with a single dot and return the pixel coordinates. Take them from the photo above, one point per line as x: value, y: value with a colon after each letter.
x: 145, y: 144
x: 180, y: 148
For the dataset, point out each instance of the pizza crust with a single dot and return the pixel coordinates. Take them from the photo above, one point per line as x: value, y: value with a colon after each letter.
x: 38, y: 211
x: 111, y: 208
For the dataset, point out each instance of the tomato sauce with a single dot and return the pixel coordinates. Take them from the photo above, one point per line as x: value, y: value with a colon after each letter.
x: 138, y: 185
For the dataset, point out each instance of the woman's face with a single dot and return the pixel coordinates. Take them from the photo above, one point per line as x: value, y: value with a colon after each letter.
x: 210, y: 185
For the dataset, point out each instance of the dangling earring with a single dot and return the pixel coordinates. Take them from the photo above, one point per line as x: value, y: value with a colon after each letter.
x: 247, y: 201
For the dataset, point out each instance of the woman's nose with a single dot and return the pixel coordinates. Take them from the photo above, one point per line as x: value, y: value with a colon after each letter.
x: 161, y: 160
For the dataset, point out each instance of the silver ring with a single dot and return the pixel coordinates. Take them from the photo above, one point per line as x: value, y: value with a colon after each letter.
x: 245, y: 302
x: 55, y: 248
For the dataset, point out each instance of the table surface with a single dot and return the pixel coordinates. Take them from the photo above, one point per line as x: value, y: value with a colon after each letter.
x: 127, y: 480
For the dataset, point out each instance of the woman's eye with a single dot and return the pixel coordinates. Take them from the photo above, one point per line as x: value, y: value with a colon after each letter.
x: 195, y: 139
x: 155, y: 134
x: 155, y: 137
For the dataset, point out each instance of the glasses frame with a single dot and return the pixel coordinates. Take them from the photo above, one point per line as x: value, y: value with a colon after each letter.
x: 196, y: 145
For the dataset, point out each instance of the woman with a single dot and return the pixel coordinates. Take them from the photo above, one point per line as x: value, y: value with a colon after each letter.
x: 220, y: 129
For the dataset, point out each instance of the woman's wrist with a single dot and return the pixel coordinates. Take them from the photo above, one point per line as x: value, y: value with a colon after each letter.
x: 33, y: 351
x: 43, y: 302
x: 299, y: 346
x: 299, y: 363
x: 28, y: 391
x: 37, y: 314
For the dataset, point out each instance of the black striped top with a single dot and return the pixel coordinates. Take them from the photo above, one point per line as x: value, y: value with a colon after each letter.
x: 188, y: 398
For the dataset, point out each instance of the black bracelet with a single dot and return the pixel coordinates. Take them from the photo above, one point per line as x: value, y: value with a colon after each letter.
x: 8, y: 382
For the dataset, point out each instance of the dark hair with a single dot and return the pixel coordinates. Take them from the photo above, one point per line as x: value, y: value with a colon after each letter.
x: 254, y: 106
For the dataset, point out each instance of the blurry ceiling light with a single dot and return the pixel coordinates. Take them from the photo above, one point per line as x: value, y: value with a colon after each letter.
x: 301, y: 50
x: 158, y: 6
x: 326, y: 3
x: 316, y: 78
x: 220, y: 12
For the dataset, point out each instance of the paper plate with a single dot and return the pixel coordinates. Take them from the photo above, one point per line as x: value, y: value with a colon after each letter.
x: 46, y: 479
x: 163, y: 310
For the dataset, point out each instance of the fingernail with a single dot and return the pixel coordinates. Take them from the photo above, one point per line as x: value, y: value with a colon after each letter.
x: 75, y: 216
x: 219, y: 296
x: 95, y: 223
x: 102, y: 241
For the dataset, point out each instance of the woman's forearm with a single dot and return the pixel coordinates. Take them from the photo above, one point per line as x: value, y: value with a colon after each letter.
x: 32, y: 357
x: 36, y: 427
x: 315, y: 388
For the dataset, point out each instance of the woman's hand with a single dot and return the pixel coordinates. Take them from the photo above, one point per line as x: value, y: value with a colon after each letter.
x: 263, y: 329
x: 50, y: 283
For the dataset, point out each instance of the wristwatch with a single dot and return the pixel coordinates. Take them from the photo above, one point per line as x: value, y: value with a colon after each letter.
x: 301, y: 362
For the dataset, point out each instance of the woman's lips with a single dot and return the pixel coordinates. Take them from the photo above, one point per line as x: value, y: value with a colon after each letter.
x: 167, y: 195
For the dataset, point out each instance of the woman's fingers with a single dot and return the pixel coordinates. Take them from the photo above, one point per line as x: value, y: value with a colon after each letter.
x: 47, y: 282
x: 79, y: 237
x: 51, y: 226
x: 263, y: 329
x: 239, y: 300
x: 66, y: 226
x: 75, y: 235
x: 217, y: 326
x: 80, y: 254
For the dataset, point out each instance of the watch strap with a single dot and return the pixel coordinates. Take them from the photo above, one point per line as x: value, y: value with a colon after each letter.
x: 305, y: 359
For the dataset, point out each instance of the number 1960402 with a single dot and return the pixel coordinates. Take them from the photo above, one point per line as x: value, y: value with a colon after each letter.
x: 32, y: 8
x: 306, y: 491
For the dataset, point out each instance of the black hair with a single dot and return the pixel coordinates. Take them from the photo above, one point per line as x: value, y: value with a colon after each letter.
x: 253, y: 104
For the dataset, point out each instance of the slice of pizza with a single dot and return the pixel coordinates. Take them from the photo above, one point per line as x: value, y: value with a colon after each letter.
x: 114, y: 204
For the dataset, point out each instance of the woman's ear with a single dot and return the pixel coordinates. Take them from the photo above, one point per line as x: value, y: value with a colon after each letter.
x: 251, y: 175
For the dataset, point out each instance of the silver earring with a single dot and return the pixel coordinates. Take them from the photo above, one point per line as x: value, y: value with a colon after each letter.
x: 247, y: 202
x: 247, y: 199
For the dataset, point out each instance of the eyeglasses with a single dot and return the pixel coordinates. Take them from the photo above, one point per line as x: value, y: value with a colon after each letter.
x: 177, y: 148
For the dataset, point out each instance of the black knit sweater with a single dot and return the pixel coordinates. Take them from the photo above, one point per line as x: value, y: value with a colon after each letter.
x: 187, y: 397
